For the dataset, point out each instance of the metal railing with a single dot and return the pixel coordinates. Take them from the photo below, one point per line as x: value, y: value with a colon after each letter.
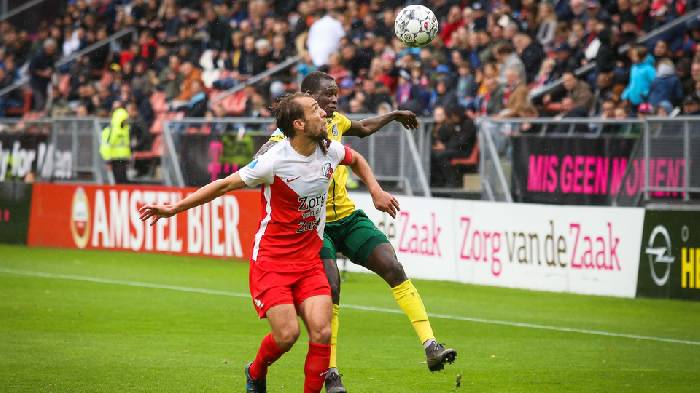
x: 24, y: 80
x: 7, y: 14
x: 397, y: 156
x: 254, y: 79
x: 61, y: 149
x: 662, y: 141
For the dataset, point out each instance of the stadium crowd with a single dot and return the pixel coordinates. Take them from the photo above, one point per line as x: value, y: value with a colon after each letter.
x: 488, y: 58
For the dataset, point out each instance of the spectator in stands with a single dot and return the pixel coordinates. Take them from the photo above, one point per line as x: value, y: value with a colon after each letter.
x: 324, y: 38
x: 642, y: 74
x: 546, y: 22
x: 170, y: 79
x: 531, y: 54
x: 691, y: 105
x: 455, y: 137
x: 41, y: 69
x: 577, y: 101
x: 666, y: 86
x: 507, y: 59
x: 664, y: 109
x: 374, y: 94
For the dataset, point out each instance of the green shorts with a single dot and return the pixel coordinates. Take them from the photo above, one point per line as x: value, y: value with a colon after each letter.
x: 355, y: 236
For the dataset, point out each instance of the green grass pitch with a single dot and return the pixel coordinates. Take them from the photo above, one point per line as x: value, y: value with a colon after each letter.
x: 90, y: 321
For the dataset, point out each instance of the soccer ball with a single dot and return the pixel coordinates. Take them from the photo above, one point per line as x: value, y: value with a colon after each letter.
x: 416, y: 26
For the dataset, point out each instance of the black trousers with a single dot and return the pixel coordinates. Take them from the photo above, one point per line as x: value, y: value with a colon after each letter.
x: 119, y: 171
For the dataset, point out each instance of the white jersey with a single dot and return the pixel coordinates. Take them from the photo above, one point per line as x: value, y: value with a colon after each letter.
x: 294, y: 192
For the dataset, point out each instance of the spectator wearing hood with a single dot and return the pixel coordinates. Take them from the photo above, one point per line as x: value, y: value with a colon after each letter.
x: 641, y: 75
x: 666, y: 86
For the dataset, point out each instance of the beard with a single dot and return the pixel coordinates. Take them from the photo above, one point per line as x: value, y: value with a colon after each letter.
x: 322, y: 139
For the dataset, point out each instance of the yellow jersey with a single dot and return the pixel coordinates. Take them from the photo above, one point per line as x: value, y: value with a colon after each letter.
x: 339, y: 204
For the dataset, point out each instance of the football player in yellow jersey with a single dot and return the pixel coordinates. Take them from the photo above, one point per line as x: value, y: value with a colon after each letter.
x: 349, y: 230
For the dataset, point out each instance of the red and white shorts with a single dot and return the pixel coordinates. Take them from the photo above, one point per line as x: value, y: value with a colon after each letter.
x: 272, y: 288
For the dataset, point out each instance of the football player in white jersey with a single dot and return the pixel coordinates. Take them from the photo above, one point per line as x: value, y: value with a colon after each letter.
x: 286, y: 272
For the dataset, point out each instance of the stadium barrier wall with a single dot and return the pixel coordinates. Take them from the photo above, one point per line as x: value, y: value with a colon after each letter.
x: 669, y: 264
x: 585, y: 250
x: 15, y: 200
x: 106, y: 217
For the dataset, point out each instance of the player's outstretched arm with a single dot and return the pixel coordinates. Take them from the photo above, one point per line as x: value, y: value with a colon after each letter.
x: 383, y: 201
x: 370, y: 125
x: 203, y: 195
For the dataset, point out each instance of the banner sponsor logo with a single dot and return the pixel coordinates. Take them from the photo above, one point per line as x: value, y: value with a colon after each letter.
x: 577, y: 170
x: 23, y: 154
x: 556, y: 248
x: 658, y: 253
x: 670, y: 257
x: 108, y: 218
x: 80, y: 218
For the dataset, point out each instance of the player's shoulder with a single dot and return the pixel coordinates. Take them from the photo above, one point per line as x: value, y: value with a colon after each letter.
x: 272, y: 152
x: 277, y: 136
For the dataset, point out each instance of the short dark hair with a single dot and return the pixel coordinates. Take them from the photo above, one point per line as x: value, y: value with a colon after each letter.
x: 312, y: 82
x: 288, y: 109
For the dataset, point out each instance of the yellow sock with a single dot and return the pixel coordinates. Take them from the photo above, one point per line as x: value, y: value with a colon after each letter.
x: 334, y: 336
x: 409, y: 300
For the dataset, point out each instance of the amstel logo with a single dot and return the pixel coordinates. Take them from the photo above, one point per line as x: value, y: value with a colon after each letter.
x: 80, y: 218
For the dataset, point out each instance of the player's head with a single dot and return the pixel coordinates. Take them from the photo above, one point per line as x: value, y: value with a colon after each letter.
x: 299, y: 114
x: 323, y: 89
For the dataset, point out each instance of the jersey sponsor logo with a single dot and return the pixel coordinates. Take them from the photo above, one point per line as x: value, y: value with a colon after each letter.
x: 80, y: 218
x: 292, y: 179
x: 311, y: 208
x: 327, y: 170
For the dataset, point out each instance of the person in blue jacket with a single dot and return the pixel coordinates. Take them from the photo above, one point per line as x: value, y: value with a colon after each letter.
x: 641, y: 76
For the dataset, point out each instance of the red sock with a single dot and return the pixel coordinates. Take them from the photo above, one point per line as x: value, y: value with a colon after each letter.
x: 317, y: 360
x: 268, y: 353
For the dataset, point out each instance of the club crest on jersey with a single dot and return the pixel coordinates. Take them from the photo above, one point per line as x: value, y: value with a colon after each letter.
x: 327, y: 170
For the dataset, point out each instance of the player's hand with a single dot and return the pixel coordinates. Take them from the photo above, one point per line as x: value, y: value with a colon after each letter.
x: 407, y: 118
x: 385, y: 202
x: 156, y: 212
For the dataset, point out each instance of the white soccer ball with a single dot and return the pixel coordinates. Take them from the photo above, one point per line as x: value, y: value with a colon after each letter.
x: 416, y: 26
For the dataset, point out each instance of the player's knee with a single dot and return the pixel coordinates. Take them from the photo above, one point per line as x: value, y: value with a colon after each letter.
x: 383, y: 261
x: 321, y: 334
x: 287, y: 336
x: 395, y: 275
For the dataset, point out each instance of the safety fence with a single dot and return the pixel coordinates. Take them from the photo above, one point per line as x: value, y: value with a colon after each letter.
x: 197, y: 151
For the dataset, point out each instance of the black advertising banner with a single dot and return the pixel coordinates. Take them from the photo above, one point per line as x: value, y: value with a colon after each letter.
x: 28, y: 156
x: 15, y: 201
x: 584, y: 171
x: 204, y: 158
x: 669, y: 265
